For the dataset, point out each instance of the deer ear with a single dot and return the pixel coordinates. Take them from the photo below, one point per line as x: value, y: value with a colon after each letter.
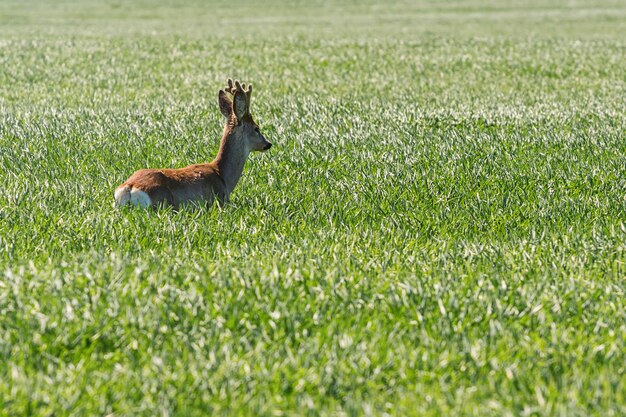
x: 240, y: 104
x: 226, y: 104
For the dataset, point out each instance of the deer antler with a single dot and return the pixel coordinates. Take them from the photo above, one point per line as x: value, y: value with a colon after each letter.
x: 235, y: 86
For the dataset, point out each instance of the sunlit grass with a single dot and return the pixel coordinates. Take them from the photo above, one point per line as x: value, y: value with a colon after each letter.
x: 438, y: 229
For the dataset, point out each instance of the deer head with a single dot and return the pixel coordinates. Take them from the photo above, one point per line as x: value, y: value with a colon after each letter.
x: 239, y: 120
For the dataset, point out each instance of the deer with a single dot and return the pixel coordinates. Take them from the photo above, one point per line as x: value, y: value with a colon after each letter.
x: 208, y: 181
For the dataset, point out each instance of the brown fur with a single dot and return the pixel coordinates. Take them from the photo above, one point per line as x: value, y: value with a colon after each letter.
x: 175, y: 186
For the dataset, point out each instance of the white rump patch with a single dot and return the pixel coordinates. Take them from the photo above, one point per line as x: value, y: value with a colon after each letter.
x: 122, y: 195
x: 125, y: 195
x: 140, y: 198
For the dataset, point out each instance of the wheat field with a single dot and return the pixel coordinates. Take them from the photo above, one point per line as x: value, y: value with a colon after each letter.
x: 439, y: 228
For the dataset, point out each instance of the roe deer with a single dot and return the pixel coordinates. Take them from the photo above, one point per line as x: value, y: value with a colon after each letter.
x: 203, y: 182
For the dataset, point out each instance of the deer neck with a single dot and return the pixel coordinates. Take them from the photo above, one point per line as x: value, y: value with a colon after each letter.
x: 231, y: 157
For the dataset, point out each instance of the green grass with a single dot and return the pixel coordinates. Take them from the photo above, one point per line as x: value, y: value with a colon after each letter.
x: 439, y: 228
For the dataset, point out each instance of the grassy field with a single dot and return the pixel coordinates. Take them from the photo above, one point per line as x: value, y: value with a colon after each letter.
x: 439, y: 229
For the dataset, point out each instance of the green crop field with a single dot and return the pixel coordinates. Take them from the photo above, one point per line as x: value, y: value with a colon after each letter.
x: 439, y: 228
